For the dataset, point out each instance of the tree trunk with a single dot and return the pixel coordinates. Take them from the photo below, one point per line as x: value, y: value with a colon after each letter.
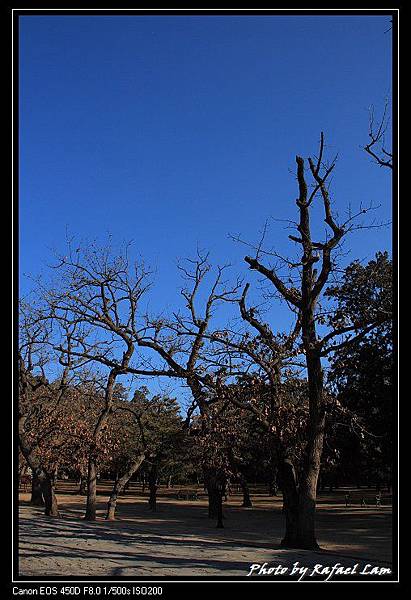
x: 119, y: 485
x: 210, y: 485
x: 300, y: 502
x: 236, y: 466
x: 272, y: 488
x: 50, y: 500
x: 214, y: 481
x: 213, y: 501
x: 219, y: 498
x: 300, y: 505
x: 273, y: 483
x: 152, y: 484
x: 290, y: 504
x: 82, y: 490
x: 90, y: 514
x: 308, y: 486
x: 36, y: 491
x: 246, y: 493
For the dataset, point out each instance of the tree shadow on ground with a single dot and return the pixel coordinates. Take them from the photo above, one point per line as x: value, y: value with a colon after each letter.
x: 193, y: 530
x: 150, y: 553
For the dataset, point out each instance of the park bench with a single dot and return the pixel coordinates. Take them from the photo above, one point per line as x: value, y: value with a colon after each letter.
x: 25, y: 482
x: 186, y: 495
x: 366, y: 499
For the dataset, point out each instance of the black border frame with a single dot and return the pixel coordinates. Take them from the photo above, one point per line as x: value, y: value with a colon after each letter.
x: 25, y: 8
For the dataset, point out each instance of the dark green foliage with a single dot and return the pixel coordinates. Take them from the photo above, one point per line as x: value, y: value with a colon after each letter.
x: 361, y: 376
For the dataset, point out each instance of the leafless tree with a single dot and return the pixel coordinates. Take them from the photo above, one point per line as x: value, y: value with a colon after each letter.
x: 303, y: 290
x: 180, y: 342
x: 99, y: 295
x: 376, y: 146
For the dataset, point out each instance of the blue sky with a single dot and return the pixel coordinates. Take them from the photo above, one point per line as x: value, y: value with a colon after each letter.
x: 175, y: 131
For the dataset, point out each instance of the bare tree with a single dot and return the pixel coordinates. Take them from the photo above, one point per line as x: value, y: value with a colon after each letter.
x: 302, y: 290
x: 377, y: 132
x: 179, y: 342
x: 99, y: 294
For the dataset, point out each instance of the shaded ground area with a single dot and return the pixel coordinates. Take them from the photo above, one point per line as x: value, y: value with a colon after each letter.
x: 180, y: 540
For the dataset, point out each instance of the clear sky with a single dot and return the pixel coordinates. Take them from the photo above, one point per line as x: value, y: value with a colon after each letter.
x: 175, y: 131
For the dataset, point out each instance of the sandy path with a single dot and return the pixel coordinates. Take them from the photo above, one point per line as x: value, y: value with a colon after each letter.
x: 180, y: 541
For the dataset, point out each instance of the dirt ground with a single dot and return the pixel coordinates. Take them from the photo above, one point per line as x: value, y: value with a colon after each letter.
x: 180, y: 540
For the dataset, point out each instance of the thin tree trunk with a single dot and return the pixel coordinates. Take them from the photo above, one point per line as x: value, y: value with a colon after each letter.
x: 82, y: 490
x: 272, y: 488
x: 220, y: 524
x: 119, y: 485
x: 273, y: 483
x: 246, y: 493
x: 236, y: 467
x: 152, y: 483
x: 90, y: 514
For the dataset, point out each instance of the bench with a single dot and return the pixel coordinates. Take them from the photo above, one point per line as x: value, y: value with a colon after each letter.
x: 25, y: 482
x: 186, y: 495
x: 366, y: 500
